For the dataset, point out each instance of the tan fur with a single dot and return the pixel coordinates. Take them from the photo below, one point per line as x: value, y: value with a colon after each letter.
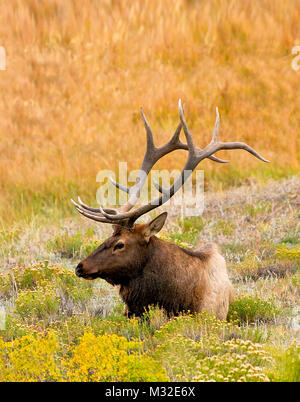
x: 218, y: 290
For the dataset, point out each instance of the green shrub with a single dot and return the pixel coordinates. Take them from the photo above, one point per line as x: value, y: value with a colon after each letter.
x: 46, y: 276
x: 290, y: 239
x: 6, y: 285
x: 70, y: 288
x: 196, y: 327
x: 36, y: 275
x: 88, y: 246
x: 193, y: 223
x: 251, y: 309
x: 73, y: 245
x: 184, y: 240
x: 39, y: 304
x: 288, y: 253
x: 15, y: 327
x: 67, y: 245
x: 152, y: 320
x: 248, y: 267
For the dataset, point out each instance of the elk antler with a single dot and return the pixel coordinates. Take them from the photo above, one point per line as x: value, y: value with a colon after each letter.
x: 124, y: 216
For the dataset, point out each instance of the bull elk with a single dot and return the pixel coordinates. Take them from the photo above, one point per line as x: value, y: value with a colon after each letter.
x: 151, y: 271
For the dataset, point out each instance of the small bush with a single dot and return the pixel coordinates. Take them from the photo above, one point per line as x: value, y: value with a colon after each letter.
x: 25, y: 278
x: 15, y: 327
x: 70, y: 288
x: 67, y: 245
x: 6, y: 285
x: 288, y: 253
x: 111, y: 358
x: 73, y: 245
x: 252, y: 309
x: 88, y: 246
x: 30, y: 358
x: 46, y: 276
x: 193, y: 223
x: 184, y: 240
x: 42, y: 291
x: 290, y: 239
x: 248, y: 267
x: 153, y: 319
x: 42, y: 303
x: 38, y: 275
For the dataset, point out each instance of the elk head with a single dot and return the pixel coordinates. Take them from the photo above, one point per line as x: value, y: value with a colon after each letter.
x: 123, y: 255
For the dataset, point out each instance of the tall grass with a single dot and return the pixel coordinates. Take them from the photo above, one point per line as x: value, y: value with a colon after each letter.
x: 77, y: 73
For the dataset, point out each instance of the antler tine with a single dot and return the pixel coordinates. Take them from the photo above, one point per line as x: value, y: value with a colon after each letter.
x: 240, y: 145
x: 187, y: 133
x: 189, y: 136
x: 216, y: 128
x: 90, y: 215
x: 150, y: 142
x: 159, y: 187
x: 97, y: 210
x: 120, y: 186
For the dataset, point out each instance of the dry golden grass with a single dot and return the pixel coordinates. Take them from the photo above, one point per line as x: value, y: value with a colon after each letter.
x: 77, y: 73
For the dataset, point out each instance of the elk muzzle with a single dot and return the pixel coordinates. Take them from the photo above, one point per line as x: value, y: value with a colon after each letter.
x: 79, y: 269
x: 82, y: 271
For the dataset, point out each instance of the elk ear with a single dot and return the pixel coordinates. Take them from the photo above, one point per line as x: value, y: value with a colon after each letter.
x: 153, y: 227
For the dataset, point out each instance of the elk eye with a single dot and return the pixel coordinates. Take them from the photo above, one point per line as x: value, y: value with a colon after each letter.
x: 119, y: 245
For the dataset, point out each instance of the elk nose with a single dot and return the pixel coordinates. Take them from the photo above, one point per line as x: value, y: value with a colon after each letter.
x: 78, y: 270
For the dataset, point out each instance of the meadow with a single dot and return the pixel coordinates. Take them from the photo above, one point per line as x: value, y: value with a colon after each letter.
x: 76, y: 330
x: 76, y: 75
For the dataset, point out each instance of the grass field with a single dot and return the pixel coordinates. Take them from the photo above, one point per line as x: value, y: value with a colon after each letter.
x: 76, y: 75
x: 75, y: 330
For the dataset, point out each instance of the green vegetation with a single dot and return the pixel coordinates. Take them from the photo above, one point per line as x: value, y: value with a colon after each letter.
x: 73, y: 245
x: 76, y: 330
x: 50, y: 318
x: 287, y: 365
x: 253, y: 309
